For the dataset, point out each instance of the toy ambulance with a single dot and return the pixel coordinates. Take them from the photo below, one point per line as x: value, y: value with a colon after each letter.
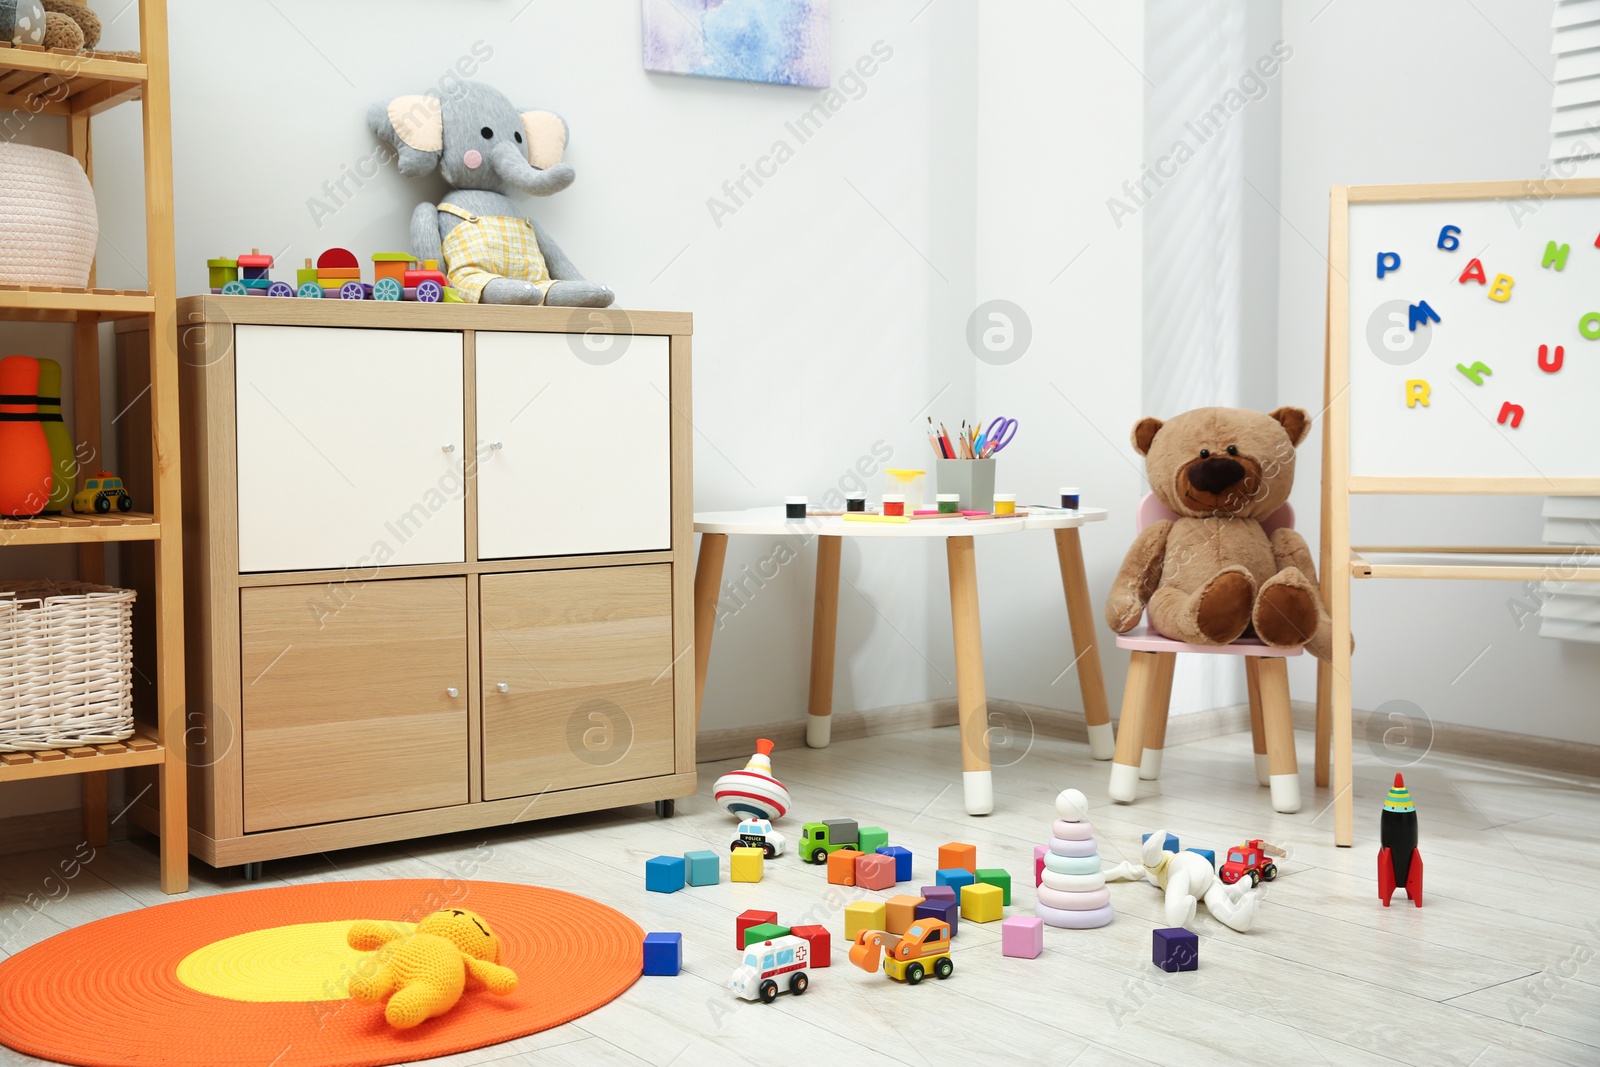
x: 772, y: 967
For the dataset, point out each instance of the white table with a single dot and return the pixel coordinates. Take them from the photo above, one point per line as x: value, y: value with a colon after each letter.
x: 958, y: 535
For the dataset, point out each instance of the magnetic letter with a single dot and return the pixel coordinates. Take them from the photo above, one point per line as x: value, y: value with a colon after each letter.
x: 1555, y: 256
x: 1589, y: 326
x: 1387, y: 262
x: 1548, y: 365
x: 1416, y: 392
x: 1511, y: 411
x: 1473, y: 273
x: 1421, y: 313
x: 1475, y: 372
x: 1501, y: 289
x: 1449, y: 238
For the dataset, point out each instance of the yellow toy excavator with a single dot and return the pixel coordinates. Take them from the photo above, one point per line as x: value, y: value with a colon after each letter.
x: 923, y: 947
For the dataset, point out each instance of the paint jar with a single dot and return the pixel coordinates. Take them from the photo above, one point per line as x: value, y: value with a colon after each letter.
x: 1005, y: 503
x: 855, y: 502
x: 894, y: 504
x: 1069, y: 497
x: 949, y: 503
x: 794, y: 507
x: 906, y: 484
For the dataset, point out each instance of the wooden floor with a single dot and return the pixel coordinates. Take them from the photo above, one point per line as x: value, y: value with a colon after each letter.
x: 1502, y: 965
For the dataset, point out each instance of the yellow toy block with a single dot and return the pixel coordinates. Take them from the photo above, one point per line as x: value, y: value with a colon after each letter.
x: 983, y: 903
x: 900, y: 913
x: 747, y: 865
x: 863, y: 915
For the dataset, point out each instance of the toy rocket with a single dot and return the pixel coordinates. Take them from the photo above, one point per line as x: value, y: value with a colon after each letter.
x: 753, y: 793
x: 1399, y: 862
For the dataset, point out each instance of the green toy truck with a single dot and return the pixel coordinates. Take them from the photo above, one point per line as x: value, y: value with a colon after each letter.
x: 818, y: 839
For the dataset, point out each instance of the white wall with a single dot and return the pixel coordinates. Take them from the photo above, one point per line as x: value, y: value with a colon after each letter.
x: 1440, y: 92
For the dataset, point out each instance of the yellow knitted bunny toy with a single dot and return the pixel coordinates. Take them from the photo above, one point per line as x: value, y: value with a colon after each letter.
x: 423, y: 972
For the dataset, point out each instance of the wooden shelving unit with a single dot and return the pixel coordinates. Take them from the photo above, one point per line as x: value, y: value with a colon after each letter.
x: 75, y: 88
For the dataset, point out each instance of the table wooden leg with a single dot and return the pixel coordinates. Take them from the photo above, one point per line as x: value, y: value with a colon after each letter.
x: 1080, y: 616
x: 1324, y: 720
x: 1124, y: 784
x: 1278, y: 719
x: 1155, y: 715
x: 96, y: 829
x: 977, y: 781
x: 824, y: 636
x: 707, y: 588
x: 1258, y: 727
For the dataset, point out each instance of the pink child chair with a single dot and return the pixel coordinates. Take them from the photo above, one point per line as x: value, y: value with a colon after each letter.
x: 1143, y: 729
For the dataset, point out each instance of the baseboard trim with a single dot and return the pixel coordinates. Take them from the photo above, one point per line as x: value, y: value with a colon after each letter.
x: 46, y: 829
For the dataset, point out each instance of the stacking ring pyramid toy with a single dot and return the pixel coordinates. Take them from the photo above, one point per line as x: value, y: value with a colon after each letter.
x: 1072, y: 891
x: 753, y: 793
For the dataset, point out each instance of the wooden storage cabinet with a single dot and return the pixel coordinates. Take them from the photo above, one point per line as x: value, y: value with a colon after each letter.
x: 440, y: 574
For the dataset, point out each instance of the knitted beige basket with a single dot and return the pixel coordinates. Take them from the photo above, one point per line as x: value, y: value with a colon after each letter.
x: 66, y: 665
x: 48, y: 223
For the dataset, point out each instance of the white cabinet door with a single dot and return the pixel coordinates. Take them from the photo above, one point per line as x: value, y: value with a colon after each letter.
x: 350, y: 447
x: 574, y: 449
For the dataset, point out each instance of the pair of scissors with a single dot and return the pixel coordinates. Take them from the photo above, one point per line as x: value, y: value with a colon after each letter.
x: 1001, y: 431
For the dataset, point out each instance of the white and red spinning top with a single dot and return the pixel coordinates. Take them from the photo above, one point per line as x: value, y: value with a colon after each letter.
x: 753, y: 793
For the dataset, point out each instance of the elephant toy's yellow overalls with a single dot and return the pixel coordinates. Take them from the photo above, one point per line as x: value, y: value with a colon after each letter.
x: 482, y: 248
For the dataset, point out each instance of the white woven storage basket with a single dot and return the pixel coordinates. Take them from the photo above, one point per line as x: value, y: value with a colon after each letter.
x: 48, y: 223
x: 66, y: 665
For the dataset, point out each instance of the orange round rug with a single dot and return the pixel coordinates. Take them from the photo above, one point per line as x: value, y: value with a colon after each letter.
x: 110, y: 993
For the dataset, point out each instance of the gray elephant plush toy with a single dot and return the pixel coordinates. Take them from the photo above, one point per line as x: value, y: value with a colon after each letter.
x: 485, y: 147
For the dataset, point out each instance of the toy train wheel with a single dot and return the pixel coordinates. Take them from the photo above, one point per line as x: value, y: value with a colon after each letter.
x: 819, y: 856
x: 352, y: 290
x: 124, y: 502
x: 386, y: 289
x: 311, y: 291
x: 1270, y: 871
x: 769, y: 991
x: 102, y: 503
x: 914, y: 973
x: 1255, y: 879
x: 430, y: 291
x: 280, y: 289
x: 769, y: 850
x: 798, y: 984
x: 944, y: 967
x: 235, y: 288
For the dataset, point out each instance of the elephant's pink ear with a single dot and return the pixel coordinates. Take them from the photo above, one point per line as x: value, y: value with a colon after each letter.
x: 547, y: 137
x: 419, y: 121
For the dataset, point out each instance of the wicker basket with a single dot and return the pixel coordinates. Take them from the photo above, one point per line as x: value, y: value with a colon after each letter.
x: 48, y: 222
x: 66, y: 665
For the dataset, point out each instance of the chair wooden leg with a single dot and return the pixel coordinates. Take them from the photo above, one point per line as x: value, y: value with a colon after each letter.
x: 1124, y: 784
x: 1324, y: 721
x: 1258, y: 730
x: 1156, y: 706
x: 1279, y: 722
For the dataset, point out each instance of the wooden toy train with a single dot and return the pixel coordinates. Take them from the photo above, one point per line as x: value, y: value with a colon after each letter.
x: 336, y: 275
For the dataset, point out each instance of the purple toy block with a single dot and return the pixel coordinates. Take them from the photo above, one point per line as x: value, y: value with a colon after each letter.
x: 1022, y: 936
x: 948, y: 910
x: 1175, y: 949
x: 939, y: 892
x: 902, y: 861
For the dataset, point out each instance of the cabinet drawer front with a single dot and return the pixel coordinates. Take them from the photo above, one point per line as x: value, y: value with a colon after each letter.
x: 586, y: 659
x: 346, y: 706
x: 584, y: 456
x: 343, y: 437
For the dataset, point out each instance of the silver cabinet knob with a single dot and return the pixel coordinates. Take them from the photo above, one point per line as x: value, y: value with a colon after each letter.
x: 503, y: 687
x: 497, y: 445
x: 453, y: 691
x: 448, y: 448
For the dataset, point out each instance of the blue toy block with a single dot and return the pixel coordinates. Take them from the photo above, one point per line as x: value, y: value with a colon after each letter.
x: 1209, y: 854
x: 663, y: 953
x: 705, y: 867
x: 1171, y: 845
x: 956, y: 878
x: 902, y: 861
x: 664, y: 874
x: 948, y: 910
x: 1175, y: 949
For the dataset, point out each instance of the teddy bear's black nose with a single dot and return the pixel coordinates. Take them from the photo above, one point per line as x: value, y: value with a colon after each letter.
x: 1215, y: 474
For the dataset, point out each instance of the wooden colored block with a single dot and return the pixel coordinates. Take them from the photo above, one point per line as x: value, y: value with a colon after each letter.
x: 705, y: 867
x: 996, y: 876
x: 1022, y: 936
x: 862, y: 915
x: 1038, y: 865
x: 939, y: 892
x: 842, y: 867
x: 1175, y: 949
x: 664, y: 874
x: 663, y: 953
x: 983, y: 903
x: 902, y: 861
x: 747, y: 865
x: 763, y: 932
x: 900, y: 912
x: 821, y: 942
x: 956, y: 854
x: 748, y: 919
x: 955, y: 878
x: 874, y: 871
x: 1171, y: 845
x: 947, y: 910
x: 872, y: 838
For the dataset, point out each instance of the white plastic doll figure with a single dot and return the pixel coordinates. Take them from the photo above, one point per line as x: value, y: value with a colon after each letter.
x: 1188, y: 879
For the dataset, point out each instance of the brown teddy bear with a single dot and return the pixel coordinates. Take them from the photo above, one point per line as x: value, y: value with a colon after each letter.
x: 1214, y: 575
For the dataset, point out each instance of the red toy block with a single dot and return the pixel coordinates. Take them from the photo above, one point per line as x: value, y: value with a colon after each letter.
x: 748, y: 919
x: 955, y: 854
x: 842, y: 867
x: 874, y: 871
x: 820, y: 940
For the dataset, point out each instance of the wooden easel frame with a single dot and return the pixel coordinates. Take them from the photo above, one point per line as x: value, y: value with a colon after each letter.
x: 1340, y: 560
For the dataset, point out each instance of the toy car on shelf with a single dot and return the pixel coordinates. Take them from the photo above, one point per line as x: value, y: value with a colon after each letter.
x: 765, y: 965
x: 1250, y: 860
x: 335, y: 275
x: 758, y: 833
x: 102, y: 494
